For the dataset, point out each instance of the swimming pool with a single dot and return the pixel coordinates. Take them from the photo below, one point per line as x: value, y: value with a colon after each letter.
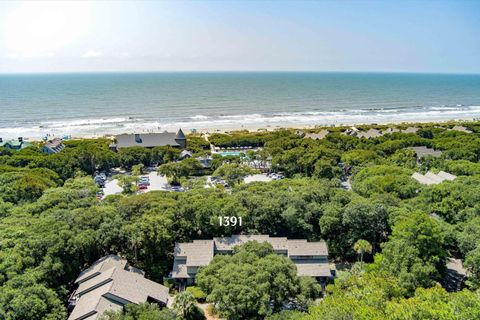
x: 229, y: 153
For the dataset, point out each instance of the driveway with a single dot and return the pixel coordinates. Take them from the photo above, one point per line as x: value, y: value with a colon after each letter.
x: 112, y: 187
x: 157, y: 182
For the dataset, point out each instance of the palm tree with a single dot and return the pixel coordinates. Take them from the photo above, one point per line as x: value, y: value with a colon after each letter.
x: 362, y: 246
x: 184, y: 303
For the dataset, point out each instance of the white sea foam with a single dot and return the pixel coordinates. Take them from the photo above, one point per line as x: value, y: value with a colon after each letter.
x: 84, y: 122
x: 199, y: 117
x: 116, y: 125
x: 87, y: 105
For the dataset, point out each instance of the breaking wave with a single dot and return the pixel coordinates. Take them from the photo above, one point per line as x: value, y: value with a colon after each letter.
x: 116, y: 125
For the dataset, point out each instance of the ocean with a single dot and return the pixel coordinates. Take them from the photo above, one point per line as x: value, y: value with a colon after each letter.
x: 95, y: 104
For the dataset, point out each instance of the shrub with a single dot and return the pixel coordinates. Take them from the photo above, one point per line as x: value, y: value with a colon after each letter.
x: 199, y: 295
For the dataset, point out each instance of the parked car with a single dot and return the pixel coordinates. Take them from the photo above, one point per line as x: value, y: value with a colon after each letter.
x: 100, y: 179
x: 144, y: 180
x: 177, y: 188
x: 275, y: 176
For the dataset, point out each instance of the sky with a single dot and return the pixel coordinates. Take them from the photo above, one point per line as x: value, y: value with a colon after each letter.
x: 374, y: 36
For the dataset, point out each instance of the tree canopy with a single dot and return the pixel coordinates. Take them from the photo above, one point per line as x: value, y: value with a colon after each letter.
x: 52, y: 226
x: 253, y: 282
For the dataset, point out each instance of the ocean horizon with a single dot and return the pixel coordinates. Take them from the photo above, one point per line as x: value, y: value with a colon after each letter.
x: 96, y: 104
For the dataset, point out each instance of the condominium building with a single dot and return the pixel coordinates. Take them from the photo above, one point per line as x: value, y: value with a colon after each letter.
x: 310, y: 258
x: 108, y: 285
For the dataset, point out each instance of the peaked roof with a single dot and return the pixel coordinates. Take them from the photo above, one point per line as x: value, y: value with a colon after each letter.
x: 180, y: 135
x: 391, y: 130
x: 102, y: 264
x: 371, y: 133
x: 410, y: 130
x: 317, y: 135
x: 197, y: 253
x: 461, y: 129
x: 93, y: 304
x: 433, y: 178
x: 304, y: 248
x: 147, y: 140
x: 55, y: 145
x: 424, y: 151
x: 446, y: 175
x: 15, y: 144
x: 186, y: 153
x: 109, y: 284
x: 200, y: 252
x: 305, y: 268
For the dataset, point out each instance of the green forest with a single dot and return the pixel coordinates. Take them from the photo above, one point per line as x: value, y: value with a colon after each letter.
x: 393, y: 235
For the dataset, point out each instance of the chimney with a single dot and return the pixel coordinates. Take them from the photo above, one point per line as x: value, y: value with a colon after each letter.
x: 20, y: 139
x: 138, y: 139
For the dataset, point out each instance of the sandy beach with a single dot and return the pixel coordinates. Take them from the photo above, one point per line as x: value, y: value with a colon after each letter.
x: 252, y: 128
x: 95, y: 105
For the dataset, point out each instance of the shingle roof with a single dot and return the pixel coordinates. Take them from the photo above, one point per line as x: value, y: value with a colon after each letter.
x: 55, y: 145
x: 294, y: 247
x: 228, y: 243
x: 431, y: 178
x: 198, y: 252
x: 371, y: 133
x: 201, y: 252
x: 313, y: 269
x: 410, y: 130
x: 352, y: 131
x: 100, y: 265
x: 391, y: 130
x: 135, y: 288
x: 148, y: 140
x: 96, y: 281
x: 180, y: 270
x: 304, y: 248
x: 279, y: 243
x: 422, y: 179
x: 109, y: 284
x: 424, y: 151
x: 93, y: 304
x: 461, y: 129
x: 317, y: 135
x: 446, y: 175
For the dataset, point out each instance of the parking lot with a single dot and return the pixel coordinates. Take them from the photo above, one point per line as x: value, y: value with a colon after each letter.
x: 157, y: 182
x: 147, y: 182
